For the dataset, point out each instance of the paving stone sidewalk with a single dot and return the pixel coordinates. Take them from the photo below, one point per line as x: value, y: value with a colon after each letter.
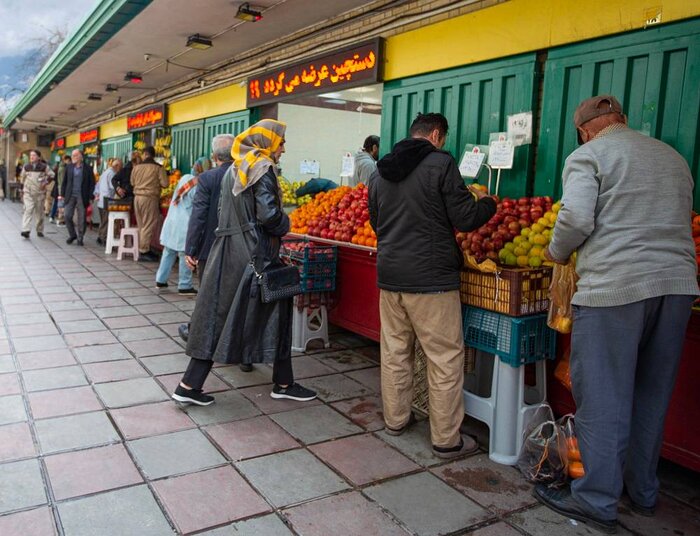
x: 91, y: 444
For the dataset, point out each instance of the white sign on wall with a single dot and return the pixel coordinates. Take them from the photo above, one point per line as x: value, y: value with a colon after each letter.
x: 347, y: 168
x: 520, y: 128
x: 501, y: 154
x: 471, y: 162
x: 309, y: 167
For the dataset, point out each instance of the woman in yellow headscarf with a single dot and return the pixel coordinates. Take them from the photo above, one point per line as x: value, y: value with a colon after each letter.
x: 230, y: 323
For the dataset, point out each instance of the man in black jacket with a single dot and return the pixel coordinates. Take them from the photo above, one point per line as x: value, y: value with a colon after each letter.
x: 417, y: 199
x: 122, y: 180
x: 76, y: 191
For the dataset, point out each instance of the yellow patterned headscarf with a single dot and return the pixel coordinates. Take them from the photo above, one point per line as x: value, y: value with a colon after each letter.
x: 252, y: 152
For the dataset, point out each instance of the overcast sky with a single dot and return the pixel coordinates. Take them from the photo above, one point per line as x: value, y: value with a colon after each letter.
x: 21, y: 21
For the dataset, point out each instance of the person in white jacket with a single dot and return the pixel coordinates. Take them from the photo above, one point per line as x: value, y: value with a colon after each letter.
x: 103, y: 191
x: 35, y: 176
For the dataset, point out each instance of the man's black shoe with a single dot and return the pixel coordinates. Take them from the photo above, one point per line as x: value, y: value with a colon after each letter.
x: 246, y: 367
x: 80, y: 241
x: 561, y: 501
x: 71, y: 239
x: 100, y: 241
x: 187, y: 291
x: 646, y: 511
x: 40, y: 235
x: 293, y: 392
x: 148, y: 257
x: 184, y: 331
x: 25, y: 234
x: 192, y: 396
x: 161, y: 285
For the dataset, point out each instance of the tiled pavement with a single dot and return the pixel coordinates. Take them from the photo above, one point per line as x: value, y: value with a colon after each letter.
x: 90, y: 443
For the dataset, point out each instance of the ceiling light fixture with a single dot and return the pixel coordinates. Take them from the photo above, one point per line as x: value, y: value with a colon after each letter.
x: 95, y: 97
x: 199, y: 42
x: 72, y: 108
x: 248, y: 14
x: 53, y: 85
x: 111, y: 88
x: 134, y: 78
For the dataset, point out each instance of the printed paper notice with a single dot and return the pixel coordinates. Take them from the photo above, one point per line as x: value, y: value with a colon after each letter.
x: 347, y: 168
x: 501, y: 154
x: 471, y: 163
x: 520, y: 128
x: 309, y: 167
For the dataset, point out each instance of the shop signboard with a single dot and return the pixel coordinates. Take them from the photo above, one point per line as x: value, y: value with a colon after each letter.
x: 58, y: 144
x: 351, y: 67
x: 89, y: 136
x: 145, y: 119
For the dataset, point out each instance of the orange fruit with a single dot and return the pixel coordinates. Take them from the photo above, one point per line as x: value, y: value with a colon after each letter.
x: 576, y: 470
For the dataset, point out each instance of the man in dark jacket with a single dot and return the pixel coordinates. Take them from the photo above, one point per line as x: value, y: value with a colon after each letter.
x: 76, y: 192
x: 122, y: 180
x: 417, y: 198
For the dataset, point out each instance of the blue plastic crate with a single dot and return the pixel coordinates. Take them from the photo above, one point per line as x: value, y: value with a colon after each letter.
x: 516, y: 340
x: 314, y: 283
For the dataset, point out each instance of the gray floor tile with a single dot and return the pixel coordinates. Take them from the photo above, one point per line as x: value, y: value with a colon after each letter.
x: 75, y: 431
x: 34, y: 330
x: 76, y: 314
x: 310, y: 477
x: 115, y: 513
x: 344, y: 360
x: 54, y: 378
x: 93, y: 338
x: 139, y: 333
x: 6, y: 364
x: 315, y: 424
x: 233, y: 375
x: 159, y: 307
x: 541, y: 521
x: 122, y: 322
x: 267, y: 525
x: 130, y: 392
x: 169, y: 318
x: 21, y: 485
x: 36, y: 344
x: 114, y: 312
x: 426, y: 505
x: 81, y: 326
x: 12, y: 409
x: 176, y: 453
x: 153, y: 347
x: 414, y: 443
x: 229, y: 406
x: 103, y: 352
x: 336, y: 387
x: 166, y: 364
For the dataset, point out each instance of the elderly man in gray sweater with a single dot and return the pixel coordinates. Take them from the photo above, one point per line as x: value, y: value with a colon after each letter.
x: 626, y: 209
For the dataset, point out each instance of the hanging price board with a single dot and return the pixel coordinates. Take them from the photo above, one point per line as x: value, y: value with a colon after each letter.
x: 471, y: 162
x: 501, y: 154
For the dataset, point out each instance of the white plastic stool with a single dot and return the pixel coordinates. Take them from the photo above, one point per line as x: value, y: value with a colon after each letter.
x: 133, y: 232
x: 307, y: 325
x: 113, y: 241
x: 510, y: 406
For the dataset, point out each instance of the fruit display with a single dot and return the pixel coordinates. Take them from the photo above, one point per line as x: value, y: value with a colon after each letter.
x: 341, y: 214
x: 289, y: 190
x: 162, y: 147
x: 166, y: 193
x: 91, y: 150
x: 513, y: 223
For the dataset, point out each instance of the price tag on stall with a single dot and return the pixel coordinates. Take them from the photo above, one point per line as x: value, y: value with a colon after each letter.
x: 471, y: 162
x: 501, y: 154
x: 520, y: 128
x: 347, y: 168
x: 309, y: 167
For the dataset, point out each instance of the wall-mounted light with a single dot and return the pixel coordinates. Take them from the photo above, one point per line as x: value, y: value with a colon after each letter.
x: 95, y: 97
x: 111, y: 88
x: 53, y: 85
x: 248, y: 14
x: 199, y: 42
x: 134, y: 78
x: 72, y: 108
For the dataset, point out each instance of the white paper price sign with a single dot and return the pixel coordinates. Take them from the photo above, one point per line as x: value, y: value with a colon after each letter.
x: 520, y: 128
x: 471, y: 163
x: 347, y: 168
x: 501, y: 154
x: 309, y: 167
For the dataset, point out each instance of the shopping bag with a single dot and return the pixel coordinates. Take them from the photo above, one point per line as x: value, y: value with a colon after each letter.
x: 563, y: 370
x: 574, y: 463
x: 561, y: 291
x: 543, y: 456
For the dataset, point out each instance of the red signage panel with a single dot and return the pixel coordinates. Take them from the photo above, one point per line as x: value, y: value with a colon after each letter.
x: 89, y: 136
x: 58, y: 144
x: 145, y: 119
x: 352, y: 67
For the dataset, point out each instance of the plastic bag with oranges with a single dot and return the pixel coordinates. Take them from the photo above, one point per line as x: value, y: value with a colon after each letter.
x: 561, y: 291
x: 574, y: 463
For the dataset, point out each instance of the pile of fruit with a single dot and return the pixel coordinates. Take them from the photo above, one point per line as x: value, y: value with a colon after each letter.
x: 166, y: 193
x: 340, y: 214
x: 289, y: 196
x: 525, y: 223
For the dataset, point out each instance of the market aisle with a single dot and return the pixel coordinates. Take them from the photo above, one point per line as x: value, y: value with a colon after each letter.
x: 91, y: 445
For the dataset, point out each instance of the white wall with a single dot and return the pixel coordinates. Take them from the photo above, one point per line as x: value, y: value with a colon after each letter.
x: 322, y: 134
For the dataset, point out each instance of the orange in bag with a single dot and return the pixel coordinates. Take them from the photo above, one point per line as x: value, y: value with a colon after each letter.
x: 561, y: 291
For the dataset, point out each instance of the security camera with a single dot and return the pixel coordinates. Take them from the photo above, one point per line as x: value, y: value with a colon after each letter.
x: 146, y: 57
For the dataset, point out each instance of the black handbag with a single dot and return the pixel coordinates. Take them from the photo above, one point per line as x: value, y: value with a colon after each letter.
x: 278, y: 282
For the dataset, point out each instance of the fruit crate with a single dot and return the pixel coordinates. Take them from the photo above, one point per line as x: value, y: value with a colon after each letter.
x: 120, y: 205
x: 316, y: 263
x: 511, y: 291
x: 516, y: 341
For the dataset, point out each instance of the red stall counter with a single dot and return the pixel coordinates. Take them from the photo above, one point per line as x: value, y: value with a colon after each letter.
x: 682, y: 433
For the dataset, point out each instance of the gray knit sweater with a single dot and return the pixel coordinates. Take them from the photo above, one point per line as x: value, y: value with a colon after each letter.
x: 626, y: 209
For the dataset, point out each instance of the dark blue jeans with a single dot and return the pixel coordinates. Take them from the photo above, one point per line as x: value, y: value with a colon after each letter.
x: 54, y: 209
x: 624, y: 362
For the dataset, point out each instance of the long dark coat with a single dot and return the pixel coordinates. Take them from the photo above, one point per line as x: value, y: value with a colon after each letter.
x: 230, y: 323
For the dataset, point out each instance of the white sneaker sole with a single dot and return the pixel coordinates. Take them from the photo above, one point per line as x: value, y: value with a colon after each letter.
x: 187, y: 400
x: 287, y: 397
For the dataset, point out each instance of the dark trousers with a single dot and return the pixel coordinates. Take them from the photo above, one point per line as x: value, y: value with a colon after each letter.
x: 624, y: 362
x: 73, y: 205
x: 201, y: 265
x: 198, y: 370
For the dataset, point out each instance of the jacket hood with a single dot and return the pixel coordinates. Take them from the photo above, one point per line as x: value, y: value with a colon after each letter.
x: 404, y: 158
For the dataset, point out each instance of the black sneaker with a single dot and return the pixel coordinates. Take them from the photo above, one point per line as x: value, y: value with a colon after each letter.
x: 148, y: 257
x: 100, y: 241
x: 40, y: 235
x: 184, y: 331
x: 398, y: 431
x: 646, y: 511
x: 246, y: 367
x: 192, y: 396
x: 71, y: 239
x: 293, y: 392
x: 188, y: 291
x: 80, y: 241
x: 25, y: 234
x: 161, y: 285
x: 561, y: 501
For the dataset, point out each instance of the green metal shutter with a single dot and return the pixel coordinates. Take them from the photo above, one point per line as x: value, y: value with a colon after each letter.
x: 120, y: 147
x: 476, y: 101
x: 234, y: 123
x: 655, y: 73
x: 187, y: 144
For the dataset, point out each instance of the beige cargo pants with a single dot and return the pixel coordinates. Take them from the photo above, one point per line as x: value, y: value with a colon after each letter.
x: 147, y: 211
x: 33, y: 197
x: 436, y: 319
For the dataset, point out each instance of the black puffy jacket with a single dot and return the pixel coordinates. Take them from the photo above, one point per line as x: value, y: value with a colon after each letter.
x: 417, y: 198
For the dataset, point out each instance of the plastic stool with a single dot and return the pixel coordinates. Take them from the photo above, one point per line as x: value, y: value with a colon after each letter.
x: 133, y: 232
x: 509, y: 407
x: 309, y: 324
x: 113, y: 241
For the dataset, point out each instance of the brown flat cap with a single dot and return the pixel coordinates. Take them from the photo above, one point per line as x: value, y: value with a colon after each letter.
x: 595, y: 107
